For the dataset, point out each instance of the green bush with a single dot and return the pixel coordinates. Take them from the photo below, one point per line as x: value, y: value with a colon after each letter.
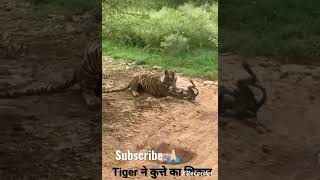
x: 286, y: 29
x: 175, y: 44
x: 187, y: 27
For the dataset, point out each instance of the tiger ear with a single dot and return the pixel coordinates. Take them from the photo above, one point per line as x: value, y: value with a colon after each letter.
x: 166, y: 72
x: 173, y: 73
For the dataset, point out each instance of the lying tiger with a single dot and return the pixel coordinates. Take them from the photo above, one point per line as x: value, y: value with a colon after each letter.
x: 88, y: 76
x: 156, y: 84
x: 159, y: 85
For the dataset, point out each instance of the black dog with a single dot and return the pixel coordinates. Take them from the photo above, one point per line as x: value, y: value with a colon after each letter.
x: 241, y: 103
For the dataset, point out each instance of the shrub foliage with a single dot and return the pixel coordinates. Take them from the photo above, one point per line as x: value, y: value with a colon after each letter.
x: 169, y: 29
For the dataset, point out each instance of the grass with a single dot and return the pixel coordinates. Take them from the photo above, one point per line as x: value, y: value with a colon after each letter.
x: 65, y: 6
x: 201, y: 63
x: 287, y: 28
x: 182, y: 39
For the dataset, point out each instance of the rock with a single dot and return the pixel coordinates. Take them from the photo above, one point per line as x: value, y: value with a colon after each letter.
x: 56, y: 17
x: 75, y: 18
x: 265, y: 64
x: 36, y: 100
x: 85, y: 177
x: 266, y: 149
x: 70, y: 28
x: 156, y: 67
x: 312, y: 97
x: 208, y: 83
x: 69, y: 174
x: 57, y: 27
x: 316, y: 75
x: 225, y: 54
x: 17, y: 127
x: 140, y: 62
x: 284, y: 75
x: 27, y: 4
x: 54, y: 165
x: 7, y: 8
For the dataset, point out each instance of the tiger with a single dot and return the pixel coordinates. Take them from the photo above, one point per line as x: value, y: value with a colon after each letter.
x: 88, y: 76
x: 156, y: 84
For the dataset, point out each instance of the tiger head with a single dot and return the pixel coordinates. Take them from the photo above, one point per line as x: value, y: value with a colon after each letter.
x: 170, y: 78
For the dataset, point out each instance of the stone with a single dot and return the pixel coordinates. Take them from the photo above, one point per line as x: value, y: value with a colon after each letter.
x: 208, y: 83
x: 156, y: 67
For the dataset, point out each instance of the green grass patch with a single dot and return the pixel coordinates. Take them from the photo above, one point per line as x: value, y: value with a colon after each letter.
x: 201, y: 63
x: 287, y: 28
x: 64, y: 6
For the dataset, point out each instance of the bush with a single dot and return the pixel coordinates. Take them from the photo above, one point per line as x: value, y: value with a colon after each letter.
x: 175, y: 44
x: 187, y: 27
x: 287, y: 29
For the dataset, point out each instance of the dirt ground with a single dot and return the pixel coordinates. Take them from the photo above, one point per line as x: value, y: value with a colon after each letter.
x: 291, y: 112
x: 43, y: 136
x: 139, y: 124
x: 48, y: 135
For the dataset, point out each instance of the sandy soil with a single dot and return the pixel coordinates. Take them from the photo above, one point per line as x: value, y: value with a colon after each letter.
x: 43, y: 136
x: 291, y: 112
x: 139, y: 124
x: 48, y: 135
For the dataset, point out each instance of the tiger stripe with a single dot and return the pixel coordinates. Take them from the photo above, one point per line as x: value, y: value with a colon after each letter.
x: 153, y: 83
x: 88, y: 75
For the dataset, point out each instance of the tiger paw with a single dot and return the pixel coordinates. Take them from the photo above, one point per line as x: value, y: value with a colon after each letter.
x: 135, y: 93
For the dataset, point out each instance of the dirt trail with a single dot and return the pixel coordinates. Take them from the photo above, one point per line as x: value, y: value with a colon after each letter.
x: 138, y: 124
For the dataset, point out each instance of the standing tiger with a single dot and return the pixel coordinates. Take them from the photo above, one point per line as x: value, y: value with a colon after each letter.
x: 89, y: 77
x: 155, y: 84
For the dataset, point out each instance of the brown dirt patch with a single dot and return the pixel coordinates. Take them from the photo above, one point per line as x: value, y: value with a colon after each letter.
x: 291, y: 112
x: 44, y: 136
x: 138, y: 124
